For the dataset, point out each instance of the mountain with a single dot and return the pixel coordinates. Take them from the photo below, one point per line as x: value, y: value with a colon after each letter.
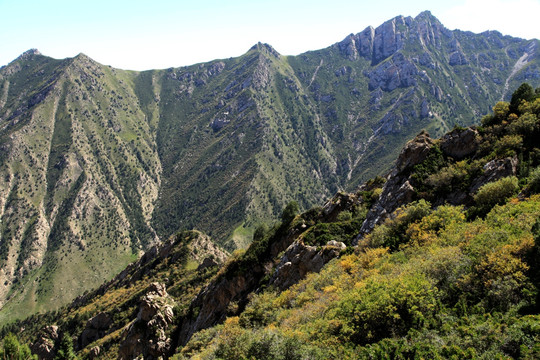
x: 437, y: 259
x: 99, y: 164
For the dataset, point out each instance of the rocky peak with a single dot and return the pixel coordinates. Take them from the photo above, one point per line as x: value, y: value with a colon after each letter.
x: 29, y: 53
x: 429, y: 29
x: 388, y: 39
x: 266, y: 49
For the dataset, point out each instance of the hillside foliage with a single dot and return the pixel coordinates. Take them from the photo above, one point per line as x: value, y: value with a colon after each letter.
x: 435, y: 280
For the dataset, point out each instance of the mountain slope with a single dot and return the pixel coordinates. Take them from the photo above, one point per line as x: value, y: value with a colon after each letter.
x: 440, y: 258
x: 98, y: 163
x: 77, y: 195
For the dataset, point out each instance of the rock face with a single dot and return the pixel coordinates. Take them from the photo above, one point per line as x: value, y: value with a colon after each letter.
x: 460, y: 143
x: 414, y: 152
x: 212, y: 304
x: 44, y: 346
x: 300, y: 259
x: 337, y: 204
x: 96, y: 328
x: 200, y: 246
x: 146, y: 336
x: 398, y: 190
x: 494, y: 170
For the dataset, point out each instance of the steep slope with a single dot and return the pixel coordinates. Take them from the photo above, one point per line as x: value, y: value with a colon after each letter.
x: 98, y: 163
x: 438, y: 258
x: 378, y: 88
x: 80, y: 174
x: 237, y: 138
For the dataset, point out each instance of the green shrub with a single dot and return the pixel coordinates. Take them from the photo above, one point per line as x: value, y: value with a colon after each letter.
x: 290, y: 211
x: 523, y: 92
x: 12, y: 349
x: 533, y: 184
x: 508, y: 145
x: 393, y: 232
x: 496, y: 193
x: 386, y: 307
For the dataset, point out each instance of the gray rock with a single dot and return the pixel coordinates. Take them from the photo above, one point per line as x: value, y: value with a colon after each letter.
x: 94, y: 352
x: 96, y: 327
x: 460, y: 143
x: 494, y: 170
x: 207, y: 262
x: 146, y: 336
x: 414, y: 152
x: 300, y: 259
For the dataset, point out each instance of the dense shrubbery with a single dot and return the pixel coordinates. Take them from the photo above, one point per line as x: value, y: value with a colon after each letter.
x: 454, y: 282
x: 453, y: 289
x: 494, y: 193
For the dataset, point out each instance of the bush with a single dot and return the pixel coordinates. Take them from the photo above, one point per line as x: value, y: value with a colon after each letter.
x: 386, y: 307
x: 533, y: 184
x: 523, y: 92
x: 496, y: 193
x: 393, y: 232
x: 508, y: 145
x: 12, y: 349
x: 289, y: 213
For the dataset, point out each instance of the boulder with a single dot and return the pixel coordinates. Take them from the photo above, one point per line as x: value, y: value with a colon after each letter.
x: 44, y: 346
x: 414, y: 152
x: 300, y: 259
x: 460, y: 143
x: 95, y: 328
x: 494, y: 170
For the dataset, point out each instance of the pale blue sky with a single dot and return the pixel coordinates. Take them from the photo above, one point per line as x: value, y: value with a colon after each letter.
x: 142, y: 35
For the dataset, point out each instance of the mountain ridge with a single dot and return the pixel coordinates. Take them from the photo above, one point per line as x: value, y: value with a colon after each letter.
x: 102, y: 163
x: 453, y: 229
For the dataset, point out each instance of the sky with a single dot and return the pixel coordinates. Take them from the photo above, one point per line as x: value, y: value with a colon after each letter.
x: 141, y: 35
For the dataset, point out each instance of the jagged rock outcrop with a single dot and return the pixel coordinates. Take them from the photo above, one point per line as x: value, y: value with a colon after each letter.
x: 337, y: 204
x: 460, y: 143
x: 494, y: 170
x: 212, y: 304
x: 200, y: 246
x: 414, y: 152
x: 146, y: 335
x: 397, y: 72
x: 398, y: 190
x: 44, y: 346
x: 96, y: 328
x: 300, y: 259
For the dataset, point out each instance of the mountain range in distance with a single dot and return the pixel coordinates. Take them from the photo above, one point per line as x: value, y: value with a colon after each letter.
x: 99, y: 163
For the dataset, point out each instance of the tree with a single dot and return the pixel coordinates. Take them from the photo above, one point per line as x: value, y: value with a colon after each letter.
x: 13, y: 350
x: 65, y: 350
x: 289, y: 212
x: 523, y: 92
